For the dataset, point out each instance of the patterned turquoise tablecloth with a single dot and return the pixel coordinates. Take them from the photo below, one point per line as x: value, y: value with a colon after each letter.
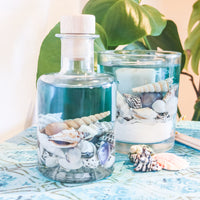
x: 20, y: 179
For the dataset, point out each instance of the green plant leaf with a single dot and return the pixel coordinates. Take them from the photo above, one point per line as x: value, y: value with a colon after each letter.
x: 49, y: 57
x: 196, y: 116
x: 135, y: 45
x: 168, y: 40
x: 195, y: 16
x: 192, y: 43
x: 125, y: 21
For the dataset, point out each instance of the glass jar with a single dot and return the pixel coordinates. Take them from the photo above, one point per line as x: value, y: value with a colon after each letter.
x: 147, y: 96
x: 76, y: 110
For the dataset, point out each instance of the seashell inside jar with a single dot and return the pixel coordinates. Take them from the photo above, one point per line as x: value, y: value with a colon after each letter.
x: 81, y: 149
x: 146, y: 115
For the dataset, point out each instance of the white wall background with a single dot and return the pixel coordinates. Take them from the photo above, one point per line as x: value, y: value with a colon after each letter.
x: 23, y: 26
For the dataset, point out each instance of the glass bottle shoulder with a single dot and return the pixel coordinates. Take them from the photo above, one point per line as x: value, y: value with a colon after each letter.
x: 77, y: 81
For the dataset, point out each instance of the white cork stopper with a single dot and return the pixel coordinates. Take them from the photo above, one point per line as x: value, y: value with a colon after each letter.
x: 78, y: 24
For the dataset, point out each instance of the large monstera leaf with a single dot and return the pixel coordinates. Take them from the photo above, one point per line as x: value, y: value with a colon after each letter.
x: 50, y: 51
x: 192, y: 43
x: 125, y: 21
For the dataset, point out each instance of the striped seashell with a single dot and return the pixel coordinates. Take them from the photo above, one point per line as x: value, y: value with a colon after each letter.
x: 133, y: 101
x: 161, y: 86
x: 76, y: 123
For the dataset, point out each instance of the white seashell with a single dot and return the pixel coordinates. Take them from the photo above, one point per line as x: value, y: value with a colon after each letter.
x: 51, y: 162
x: 91, y: 162
x: 66, y: 138
x: 76, y: 123
x: 44, y: 120
x: 87, y: 129
x: 161, y: 86
x: 171, y: 105
x: 110, y: 162
x: 87, y: 149
x: 122, y: 106
x: 48, y: 146
x: 145, y: 113
x: 159, y: 106
x: 73, y: 159
x: 170, y: 94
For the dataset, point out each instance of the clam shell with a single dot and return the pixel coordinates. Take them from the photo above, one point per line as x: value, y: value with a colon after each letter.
x: 161, y: 86
x: 66, y: 138
x: 103, y: 152
x: 159, y: 106
x: 145, y: 113
x: 170, y: 161
x: 54, y: 128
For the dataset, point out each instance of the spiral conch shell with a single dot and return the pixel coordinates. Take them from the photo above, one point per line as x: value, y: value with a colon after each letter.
x: 161, y: 86
x: 76, y: 123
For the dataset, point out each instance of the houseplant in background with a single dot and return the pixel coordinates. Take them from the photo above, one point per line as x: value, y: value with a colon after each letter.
x: 137, y: 26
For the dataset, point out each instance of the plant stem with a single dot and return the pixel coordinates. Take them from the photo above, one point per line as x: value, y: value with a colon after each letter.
x: 147, y: 43
x: 178, y: 112
x: 192, y: 80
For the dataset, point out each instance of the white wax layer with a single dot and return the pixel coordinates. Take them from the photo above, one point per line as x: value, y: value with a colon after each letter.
x: 130, y: 78
x: 143, y: 132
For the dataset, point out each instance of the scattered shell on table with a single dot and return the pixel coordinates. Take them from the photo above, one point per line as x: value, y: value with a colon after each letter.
x: 159, y: 106
x: 76, y: 123
x: 161, y: 86
x: 87, y: 149
x: 54, y: 128
x: 170, y: 161
x: 103, y: 152
x: 133, y: 101
x: 149, y: 98
x: 44, y: 120
x: 140, y: 155
x: 66, y: 138
x: 145, y: 113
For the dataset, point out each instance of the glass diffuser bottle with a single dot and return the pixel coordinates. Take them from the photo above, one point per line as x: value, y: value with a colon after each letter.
x: 76, y: 110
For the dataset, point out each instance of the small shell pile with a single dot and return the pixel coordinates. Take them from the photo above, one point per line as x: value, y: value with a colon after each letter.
x: 78, y: 144
x: 144, y: 160
x: 140, y: 155
x: 155, y: 101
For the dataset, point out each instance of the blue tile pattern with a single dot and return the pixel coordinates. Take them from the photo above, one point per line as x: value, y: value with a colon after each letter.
x: 20, y: 179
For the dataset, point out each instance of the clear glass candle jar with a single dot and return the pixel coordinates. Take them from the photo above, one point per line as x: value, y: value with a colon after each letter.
x: 147, y: 96
x: 76, y: 111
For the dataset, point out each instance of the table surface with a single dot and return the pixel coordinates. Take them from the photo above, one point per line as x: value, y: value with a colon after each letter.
x: 20, y: 179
